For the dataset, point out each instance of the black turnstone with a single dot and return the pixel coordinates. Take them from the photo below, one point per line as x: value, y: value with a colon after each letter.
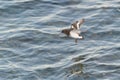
x: 74, y: 30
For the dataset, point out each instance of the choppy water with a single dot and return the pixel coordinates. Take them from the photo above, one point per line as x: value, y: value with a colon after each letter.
x: 31, y: 47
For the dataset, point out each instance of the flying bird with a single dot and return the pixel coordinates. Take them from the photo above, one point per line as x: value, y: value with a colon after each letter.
x: 74, y: 30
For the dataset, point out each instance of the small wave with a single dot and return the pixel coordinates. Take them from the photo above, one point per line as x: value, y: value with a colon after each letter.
x: 62, y: 3
x: 7, y: 53
x: 17, y: 7
x: 16, y: 1
x: 104, y: 35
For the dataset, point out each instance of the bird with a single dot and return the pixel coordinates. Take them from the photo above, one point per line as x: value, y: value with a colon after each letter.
x: 74, y: 30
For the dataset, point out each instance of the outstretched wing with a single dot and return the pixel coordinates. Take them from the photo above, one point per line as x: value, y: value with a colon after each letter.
x: 74, y: 25
x: 81, y: 22
x: 77, y: 24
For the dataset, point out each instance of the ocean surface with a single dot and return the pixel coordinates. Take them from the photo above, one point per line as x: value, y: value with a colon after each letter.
x: 33, y: 48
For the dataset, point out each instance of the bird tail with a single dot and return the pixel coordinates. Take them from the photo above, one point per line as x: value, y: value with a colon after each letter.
x: 80, y: 37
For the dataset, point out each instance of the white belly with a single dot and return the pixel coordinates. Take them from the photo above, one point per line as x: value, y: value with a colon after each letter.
x: 75, y: 34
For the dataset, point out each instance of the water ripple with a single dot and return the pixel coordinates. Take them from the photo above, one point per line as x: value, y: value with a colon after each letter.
x: 33, y: 48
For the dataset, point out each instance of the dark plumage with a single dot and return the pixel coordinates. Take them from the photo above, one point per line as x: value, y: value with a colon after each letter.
x: 67, y: 31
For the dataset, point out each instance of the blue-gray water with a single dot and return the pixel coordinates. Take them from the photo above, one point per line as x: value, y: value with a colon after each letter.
x: 32, y: 48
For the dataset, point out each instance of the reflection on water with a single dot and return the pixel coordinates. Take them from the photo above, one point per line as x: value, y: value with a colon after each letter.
x: 76, y: 69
